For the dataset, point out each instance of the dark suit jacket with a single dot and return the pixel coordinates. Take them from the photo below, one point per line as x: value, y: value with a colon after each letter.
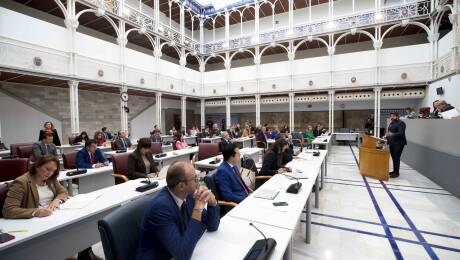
x: 155, y: 139
x: 22, y: 197
x: 222, y: 144
x: 228, y: 185
x: 136, y: 166
x: 205, y: 134
x: 398, y: 128
x: 84, y: 162
x: 56, y: 140
x: 262, y: 138
x: 39, y: 149
x: 107, y: 135
x: 270, y: 164
x: 120, y: 145
x: 162, y: 235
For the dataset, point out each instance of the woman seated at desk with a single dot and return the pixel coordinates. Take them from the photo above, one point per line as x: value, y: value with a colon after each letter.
x: 36, y: 193
x: 140, y: 162
x: 275, y: 159
x: 99, y: 137
x: 81, y: 139
x: 180, y: 142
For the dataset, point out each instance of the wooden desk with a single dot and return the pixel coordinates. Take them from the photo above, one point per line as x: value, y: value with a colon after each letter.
x: 373, y: 162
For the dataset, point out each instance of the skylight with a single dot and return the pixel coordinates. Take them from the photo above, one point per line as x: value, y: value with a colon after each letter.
x: 217, y: 4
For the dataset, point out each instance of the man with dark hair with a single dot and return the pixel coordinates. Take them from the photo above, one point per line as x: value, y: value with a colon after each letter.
x: 396, y: 137
x: 177, y: 217
x: 155, y: 136
x: 228, y: 178
x: 90, y: 156
x: 44, y: 147
x: 107, y: 135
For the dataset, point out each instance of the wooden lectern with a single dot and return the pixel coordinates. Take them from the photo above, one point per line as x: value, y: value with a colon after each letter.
x: 374, y: 162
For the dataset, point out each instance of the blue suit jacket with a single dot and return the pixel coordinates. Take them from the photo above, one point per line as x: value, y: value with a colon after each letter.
x: 161, y: 232
x: 84, y: 162
x: 228, y: 185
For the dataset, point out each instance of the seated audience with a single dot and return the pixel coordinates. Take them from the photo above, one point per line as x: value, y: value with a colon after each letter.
x: 122, y: 142
x: 177, y: 217
x: 45, y: 147
x: 99, y: 138
x: 274, y: 133
x: 155, y: 136
x: 410, y: 113
x: 173, y: 131
x: 228, y: 179
x: 180, y: 142
x: 225, y: 140
x: 81, y: 138
x: 48, y: 128
x: 194, y: 131
x: 215, y: 130
x: 435, y: 113
x: 90, y: 156
x: 261, y: 138
x: 245, y: 132
x: 140, y: 162
x: 206, y: 132
x: 274, y: 160
x: 443, y: 106
x: 309, y: 135
x: 107, y: 135
x: 38, y: 193
x: 22, y: 200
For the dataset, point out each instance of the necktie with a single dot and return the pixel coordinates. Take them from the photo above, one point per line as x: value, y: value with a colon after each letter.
x: 185, y: 217
x: 238, y: 176
x: 124, y: 143
x: 91, y: 156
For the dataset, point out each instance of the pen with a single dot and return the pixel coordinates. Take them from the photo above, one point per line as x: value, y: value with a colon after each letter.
x: 16, y: 231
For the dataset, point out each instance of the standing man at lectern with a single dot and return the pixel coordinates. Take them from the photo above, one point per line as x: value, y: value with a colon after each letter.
x: 396, y: 137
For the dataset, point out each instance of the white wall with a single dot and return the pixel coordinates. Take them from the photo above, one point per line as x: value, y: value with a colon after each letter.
x: 21, y: 123
x: 143, y: 123
x: 451, y: 86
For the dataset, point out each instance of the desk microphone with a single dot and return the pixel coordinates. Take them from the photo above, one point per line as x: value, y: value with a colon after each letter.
x: 295, y: 187
x: 261, y: 248
x: 76, y: 172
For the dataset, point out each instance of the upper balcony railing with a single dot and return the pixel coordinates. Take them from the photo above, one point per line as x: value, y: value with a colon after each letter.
x: 411, y: 10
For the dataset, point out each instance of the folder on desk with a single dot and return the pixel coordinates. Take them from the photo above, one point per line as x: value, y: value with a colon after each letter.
x: 266, y: 194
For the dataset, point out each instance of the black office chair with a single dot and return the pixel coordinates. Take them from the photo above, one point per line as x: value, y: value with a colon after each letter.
x: 119, y: 230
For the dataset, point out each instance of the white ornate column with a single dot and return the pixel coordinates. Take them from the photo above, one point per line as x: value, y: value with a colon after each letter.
x: 377, y: 95
x: 227, y: 29
x: 71, y: 24
x: 74, y: 114
x: 182, y: 22
x: 331, y: 51
x: 158, y: 110
x: 203, y: 111
x: 201, y: 34
x: 257, y: 110
x: 122, y: 41
x: 291, y: 17
x: 456, y: 39
x: 291, y: 111
x: 184, y: 112
x: 228, y: 115
x: 123, y: 112
x: 156, y: 7
x: 377, y: 46
x: 256, y: 20
x: 331, y: 110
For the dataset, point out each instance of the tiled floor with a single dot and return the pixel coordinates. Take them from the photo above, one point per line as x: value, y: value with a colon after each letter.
x: 347, y: 226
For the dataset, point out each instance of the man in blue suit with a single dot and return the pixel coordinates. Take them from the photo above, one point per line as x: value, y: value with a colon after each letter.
x: 90, y: 156
x: 228, y: 178
x: 177, y: 217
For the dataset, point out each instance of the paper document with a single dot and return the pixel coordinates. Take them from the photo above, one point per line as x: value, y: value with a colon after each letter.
x: 450, y: 114
x: 80, y: 201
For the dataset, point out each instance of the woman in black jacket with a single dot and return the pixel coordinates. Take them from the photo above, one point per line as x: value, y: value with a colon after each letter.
x: 48, y: 127
x: 81, y: 139
x: 275, y: 159
x: 140, y: 162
